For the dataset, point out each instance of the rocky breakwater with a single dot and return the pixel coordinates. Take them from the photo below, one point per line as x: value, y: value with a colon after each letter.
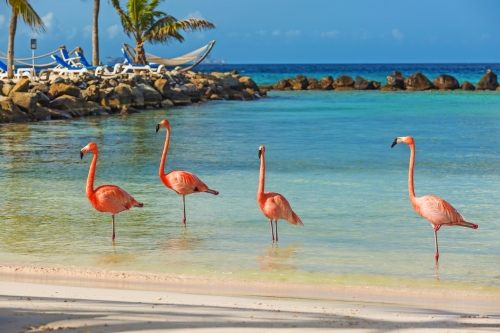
x: 86, y: 95
x: 395, y: 81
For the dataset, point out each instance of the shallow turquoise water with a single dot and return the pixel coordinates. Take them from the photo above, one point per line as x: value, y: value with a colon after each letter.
x: 328, y: 153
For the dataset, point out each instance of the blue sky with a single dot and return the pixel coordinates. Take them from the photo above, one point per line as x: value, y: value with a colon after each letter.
x: 290, y: 31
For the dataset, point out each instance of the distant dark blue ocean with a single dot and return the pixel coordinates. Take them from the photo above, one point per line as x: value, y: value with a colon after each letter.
x: 269, y: 74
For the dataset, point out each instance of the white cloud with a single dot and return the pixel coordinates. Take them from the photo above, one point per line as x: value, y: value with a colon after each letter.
x: 262, y: 32
x: 398, y: 34
x: 276, y: 32
x: 330, y: 34
x: 196, y: 15
x: 293, y: 33
x: 48, y: 20
x: 113, y: 31
x: 87, y: 31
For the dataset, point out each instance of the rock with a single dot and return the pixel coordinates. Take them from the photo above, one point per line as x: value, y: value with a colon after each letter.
x: 137, y: 99
x: 128, y: 110
x: 77, y: 107
x: 59, y: 89
x: 6, y: 88
x: 39, y: 87
x: 58, y: 79
x: 488, y: 81
x: 167, y: 104
x: 216, y: 97
x: 43, y: 100
x: 10, y: 112
x: 466, y: 85
x: 396, y: 81
x: 498, y: 88
x: 192, y: 92
x: 90, y: 94
x: 282, y: 84
x: 231, y: 82
x: 163, y: 86
x: 179, y: 97
x: 326, y: 83
x: 58, y: 114
x: 363, y: 84
x: 41, y: 113
x: 343, y: 82
x: 103, y: 100
x: 418, y: 82
x: 314, y: 86
x: 120, y: 96
x: 446, y: 82
x: 247, y: 82
x: 151, y: 96
x: 25, y: 100
x: 23, y: 85
x: 300, y: 82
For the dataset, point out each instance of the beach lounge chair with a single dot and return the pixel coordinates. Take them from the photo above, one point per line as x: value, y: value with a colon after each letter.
x: 64, y: 68
x: 131, y: 65
x: 84, y: 63
x: 34, y: 75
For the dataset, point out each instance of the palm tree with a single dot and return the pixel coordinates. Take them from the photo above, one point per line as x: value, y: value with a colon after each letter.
x: 95, y: 34
x: 146, y: 24
x: 30, y: 17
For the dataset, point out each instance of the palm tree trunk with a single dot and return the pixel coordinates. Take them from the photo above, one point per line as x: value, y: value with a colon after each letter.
x: 10, y: 46
x: 140, y: 54
x: 95, y: 34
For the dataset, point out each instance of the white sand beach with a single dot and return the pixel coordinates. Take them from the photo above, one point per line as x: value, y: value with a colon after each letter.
x: 71, y: 300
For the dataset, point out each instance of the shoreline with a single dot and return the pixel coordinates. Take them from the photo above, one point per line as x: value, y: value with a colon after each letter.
x: 49, y: 299
x: 133, y: 280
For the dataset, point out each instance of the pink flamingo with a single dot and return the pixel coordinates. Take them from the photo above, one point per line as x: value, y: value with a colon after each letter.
x: 273, y: 205
x: 182, y: 182
x: 430, y: 207
x: 106, y: 198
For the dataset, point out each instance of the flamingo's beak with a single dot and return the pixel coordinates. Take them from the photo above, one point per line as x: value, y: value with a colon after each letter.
x: 395, y: 142
x: 157, y: 128
x: 81, y: 155
x: 260, y: 153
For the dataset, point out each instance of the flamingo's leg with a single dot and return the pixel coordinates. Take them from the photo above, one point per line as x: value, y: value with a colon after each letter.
x: 276, y: 221
x: 272, y: 229
x: 113, y: 227
x: 436, y: 228
x: 184, y: 208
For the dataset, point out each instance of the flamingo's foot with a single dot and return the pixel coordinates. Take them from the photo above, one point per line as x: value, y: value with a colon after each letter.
x: 475, y: 226
x: 216, y: 193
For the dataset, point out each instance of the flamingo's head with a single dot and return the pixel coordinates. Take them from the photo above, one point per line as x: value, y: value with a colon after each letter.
x: 163, y: 123
x: 403, y: 139
x: 90, y: 147
x: 262, y: 150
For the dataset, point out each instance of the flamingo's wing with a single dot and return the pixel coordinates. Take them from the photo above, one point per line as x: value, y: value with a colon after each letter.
x: 184, y: 182
x: 286, y: 211
x: 113, y: 199
x: 438, y: 211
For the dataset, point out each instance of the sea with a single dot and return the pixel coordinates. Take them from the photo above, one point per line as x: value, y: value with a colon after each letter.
x: 329, y: 153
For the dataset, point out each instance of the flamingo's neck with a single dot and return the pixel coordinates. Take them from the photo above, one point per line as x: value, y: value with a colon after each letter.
x: 90, y: 178
x: 411, y: 190
x: 262, y: 177
x: 161, y: 171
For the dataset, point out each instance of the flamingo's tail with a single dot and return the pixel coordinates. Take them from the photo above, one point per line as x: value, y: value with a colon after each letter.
x: 296, y: 220
x: 468, y: 225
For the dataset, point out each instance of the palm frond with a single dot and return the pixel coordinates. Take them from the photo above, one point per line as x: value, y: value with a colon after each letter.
x: 27, y: 13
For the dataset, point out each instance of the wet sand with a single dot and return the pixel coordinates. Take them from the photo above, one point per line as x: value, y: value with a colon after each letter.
x: 76, y: 300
